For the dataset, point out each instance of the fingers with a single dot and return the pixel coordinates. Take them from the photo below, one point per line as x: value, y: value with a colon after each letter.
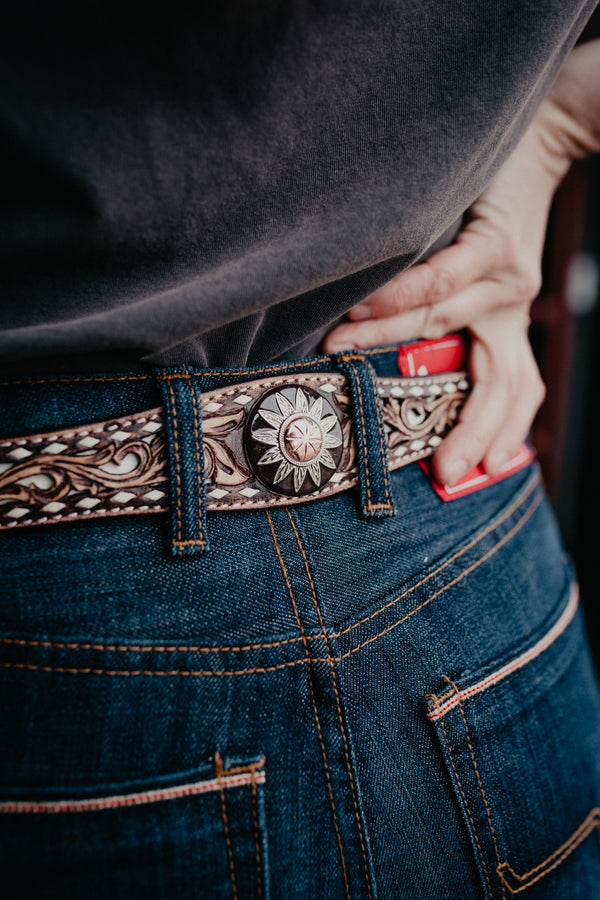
x: 507, y: 394
x: 427, y: 322
x: 447, y: 273
x: 481, y: 418
x: 520, y: 415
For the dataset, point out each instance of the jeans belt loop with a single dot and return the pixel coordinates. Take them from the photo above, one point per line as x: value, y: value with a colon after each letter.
x: 183, y: 425
x: 373, y: 465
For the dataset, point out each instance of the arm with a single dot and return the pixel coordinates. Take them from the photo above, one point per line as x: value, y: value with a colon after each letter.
x: 487, y: 280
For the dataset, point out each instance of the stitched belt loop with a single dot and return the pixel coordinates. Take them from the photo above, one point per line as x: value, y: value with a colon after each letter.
x: 183, y: 426
x: 372, y: 455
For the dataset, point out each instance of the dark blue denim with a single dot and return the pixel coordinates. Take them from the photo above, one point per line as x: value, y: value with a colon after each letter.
x: 318, y: 703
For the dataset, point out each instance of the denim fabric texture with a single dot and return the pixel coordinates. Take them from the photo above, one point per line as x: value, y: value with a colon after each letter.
x: 319, y: 703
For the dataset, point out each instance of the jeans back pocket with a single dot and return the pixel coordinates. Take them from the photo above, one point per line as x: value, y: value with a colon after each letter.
x: 198, y: 834
x: 521, y: 743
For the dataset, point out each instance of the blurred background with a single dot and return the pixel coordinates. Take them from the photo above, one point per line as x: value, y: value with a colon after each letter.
x: 565, y: 334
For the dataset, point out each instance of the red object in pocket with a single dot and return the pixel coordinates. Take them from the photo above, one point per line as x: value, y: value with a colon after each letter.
x: 449, y: 354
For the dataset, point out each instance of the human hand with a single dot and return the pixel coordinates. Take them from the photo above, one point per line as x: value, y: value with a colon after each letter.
x: 486, y: 282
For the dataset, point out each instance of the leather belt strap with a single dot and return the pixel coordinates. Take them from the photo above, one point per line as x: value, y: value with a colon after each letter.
x: 270, y: 442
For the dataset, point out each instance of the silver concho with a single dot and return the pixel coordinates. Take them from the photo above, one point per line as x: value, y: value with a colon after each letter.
x: 293, y: 440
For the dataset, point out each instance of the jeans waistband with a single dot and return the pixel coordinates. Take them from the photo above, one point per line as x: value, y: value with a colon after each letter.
x: 199, y: 440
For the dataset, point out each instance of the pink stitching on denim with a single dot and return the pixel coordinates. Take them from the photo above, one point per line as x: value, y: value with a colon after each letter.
x: 140, y: 798
x: 449, y: 700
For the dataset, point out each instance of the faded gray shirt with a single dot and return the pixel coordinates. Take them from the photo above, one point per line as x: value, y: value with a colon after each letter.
x: 219, y: 188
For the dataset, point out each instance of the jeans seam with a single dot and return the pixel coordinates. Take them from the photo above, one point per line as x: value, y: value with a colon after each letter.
x: 362, y: 428
x: 74, y: 380
x: 338, y: 704
x: 521, y: 498
x: 314, y: 703
x: 219, y: 773
x: 478, y: 777
x: 184, y: 648
x: 384, y: 453
x: 462, y: 793
x: 257, y: 855
x: 305, y: 638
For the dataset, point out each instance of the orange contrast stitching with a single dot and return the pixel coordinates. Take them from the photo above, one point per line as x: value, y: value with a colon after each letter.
x: 337, y: 701
x: 371, y: 506
x: 162, y: 648
x: 314, y: 704
x: 516, y: 527
x: 477, y: 775
x: 78, y: 378
x: 462, y: 793
x: 179, y: 543
x: 62, y: 645
x: 591, y: 821
x: 220, y: 773
x: 305, y: 638
x: 248, y: 767
x: 318, y: 360
x: 196, y: 542
x: 475, y: 540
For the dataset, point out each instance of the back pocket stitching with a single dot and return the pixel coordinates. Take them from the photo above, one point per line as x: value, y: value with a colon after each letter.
x: 220, y: 777
x: 259, y: 888
x: 551, y: 862
x: 462, y: 793
x: 453, y: 697
x: 477, y: 776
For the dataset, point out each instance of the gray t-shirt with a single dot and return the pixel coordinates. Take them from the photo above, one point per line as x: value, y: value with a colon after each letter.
x: 217, y: 188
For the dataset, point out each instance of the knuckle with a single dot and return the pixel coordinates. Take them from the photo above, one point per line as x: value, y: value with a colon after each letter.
x: 441, y: 282
x: 400, y: 297
x: 527, y: 284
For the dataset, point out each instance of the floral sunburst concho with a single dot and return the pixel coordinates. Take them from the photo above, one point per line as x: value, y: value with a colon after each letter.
x: 303, y: 438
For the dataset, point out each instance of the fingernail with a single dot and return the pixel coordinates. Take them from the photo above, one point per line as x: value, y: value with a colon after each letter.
x: 495, y: 461
x: 456, y: 471
x: 360, y: 312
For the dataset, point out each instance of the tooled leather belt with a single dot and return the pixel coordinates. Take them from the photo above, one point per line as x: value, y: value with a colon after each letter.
x: 266, y: 443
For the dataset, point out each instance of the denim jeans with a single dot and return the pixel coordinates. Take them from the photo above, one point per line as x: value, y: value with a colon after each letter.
x: 319, y: 703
